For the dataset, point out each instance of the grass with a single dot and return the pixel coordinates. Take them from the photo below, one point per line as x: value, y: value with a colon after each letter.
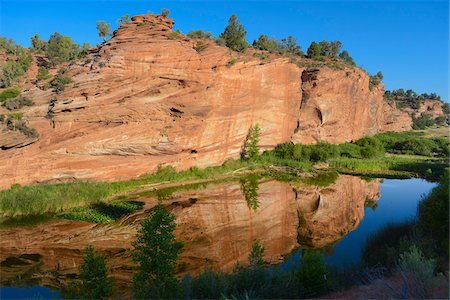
x: 101, y: 212
x: 55, y: 198
x: 391, y: 166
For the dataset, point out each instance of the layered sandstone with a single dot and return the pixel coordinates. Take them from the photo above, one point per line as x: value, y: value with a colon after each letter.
x: 146, y: 98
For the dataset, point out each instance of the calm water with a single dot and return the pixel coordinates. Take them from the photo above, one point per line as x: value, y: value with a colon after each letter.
x: 397, y: 204
x: 218, y: 224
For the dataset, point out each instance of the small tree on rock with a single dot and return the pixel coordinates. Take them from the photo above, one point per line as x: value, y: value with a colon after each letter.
x: 165, y: 13
x: 104, y: 29
x: 251, y: 149
x: 234, y: 35
x: 313, y: 50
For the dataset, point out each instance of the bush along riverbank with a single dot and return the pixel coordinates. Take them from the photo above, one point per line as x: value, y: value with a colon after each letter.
x: 398, y: 155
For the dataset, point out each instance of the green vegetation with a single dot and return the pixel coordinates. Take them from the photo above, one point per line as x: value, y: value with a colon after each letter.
x: 200, y: 46
x: 60, y: 82
x: 410, y: 95
x: 375, y: 80
x: 423, y: 121
x: 346, y: 158
x: 199, y: 34
x: 434, y: 214
x: 104, y: 30
x: 286, y: 46
x: 9, y: 94
x: 17, y: 103
x: 313, y: 50
x: 256, y: 256
x: 347, y: 58
x: 102, y: 212
x: 124, y: 19
x: 12, y: 70
x: 249, y: 188
x: 165, y: 13
x: 259, y: 282
x: 15, y: 121
x: 234, y: 35
x: 43, y: 74
x: 156, y: 252
x: 251, y: 148
x: 11, y: 47
x: 61, y: 49
x: 38, y: 45
x: 174, y: 34
x: 231, y: 62
x: 94, y: 282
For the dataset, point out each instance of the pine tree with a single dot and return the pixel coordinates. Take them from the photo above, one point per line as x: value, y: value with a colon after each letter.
x: 234, y: 35
x: 251, y: 149
x: 156, y: 252
x: 313, y: 50
x: 95, y: 283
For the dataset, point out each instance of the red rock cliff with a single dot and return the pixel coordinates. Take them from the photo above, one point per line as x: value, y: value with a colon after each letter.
x: 146, y: 97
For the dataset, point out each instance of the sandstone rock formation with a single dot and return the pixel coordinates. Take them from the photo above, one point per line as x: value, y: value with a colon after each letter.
x: 216, y: 225
x: 147, y: 97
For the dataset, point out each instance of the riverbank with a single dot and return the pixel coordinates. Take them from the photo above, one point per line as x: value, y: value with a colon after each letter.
x: 389, y: 155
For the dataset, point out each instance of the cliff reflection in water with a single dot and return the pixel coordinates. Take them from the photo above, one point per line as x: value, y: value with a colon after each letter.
x: 218, y: 225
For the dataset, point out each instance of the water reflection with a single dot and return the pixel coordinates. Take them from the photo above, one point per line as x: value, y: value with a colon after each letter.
x: 218, y: 224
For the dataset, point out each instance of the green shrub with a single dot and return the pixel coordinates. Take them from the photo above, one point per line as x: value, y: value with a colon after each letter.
x: 102, y: 212
x: 418, y: 271
x: 174, y: 34
x: 385, y: 246
x: 200, y: 46
x: 256, y: 256
x: 94, y: 281
x: 249, y: 188
x: 370, y: 147
x: 165, y: 12
x: 375, y: 80
x: 433, y: 213
x: 199, y: 34
x: 17, y: 103
x: 61, y: 49
x: 9, y: 94
x: 350, y: 150
x: 251, y: 148
x: 14, y: 69
x: 43, y: 74
x: 234, y: 35
x: 156, y: 252
x: 422, y: 122
x: 312, y: 273
x: 323, y: 151
x: 60, y: 82
x: 231, y: 62
x: 268, y: 44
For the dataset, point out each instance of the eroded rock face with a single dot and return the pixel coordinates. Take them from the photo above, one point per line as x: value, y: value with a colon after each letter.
x: 216, y: 224
x: 326, y: 215
x: 146, y: 98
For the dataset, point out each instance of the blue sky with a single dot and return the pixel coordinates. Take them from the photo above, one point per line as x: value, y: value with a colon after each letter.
x: 407, y: 40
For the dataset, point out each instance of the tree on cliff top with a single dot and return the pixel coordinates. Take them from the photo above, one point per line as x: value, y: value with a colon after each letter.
x: 104, y: 29
x: 313, y: 50
x: 165, y: 13
x: 234, y: 35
